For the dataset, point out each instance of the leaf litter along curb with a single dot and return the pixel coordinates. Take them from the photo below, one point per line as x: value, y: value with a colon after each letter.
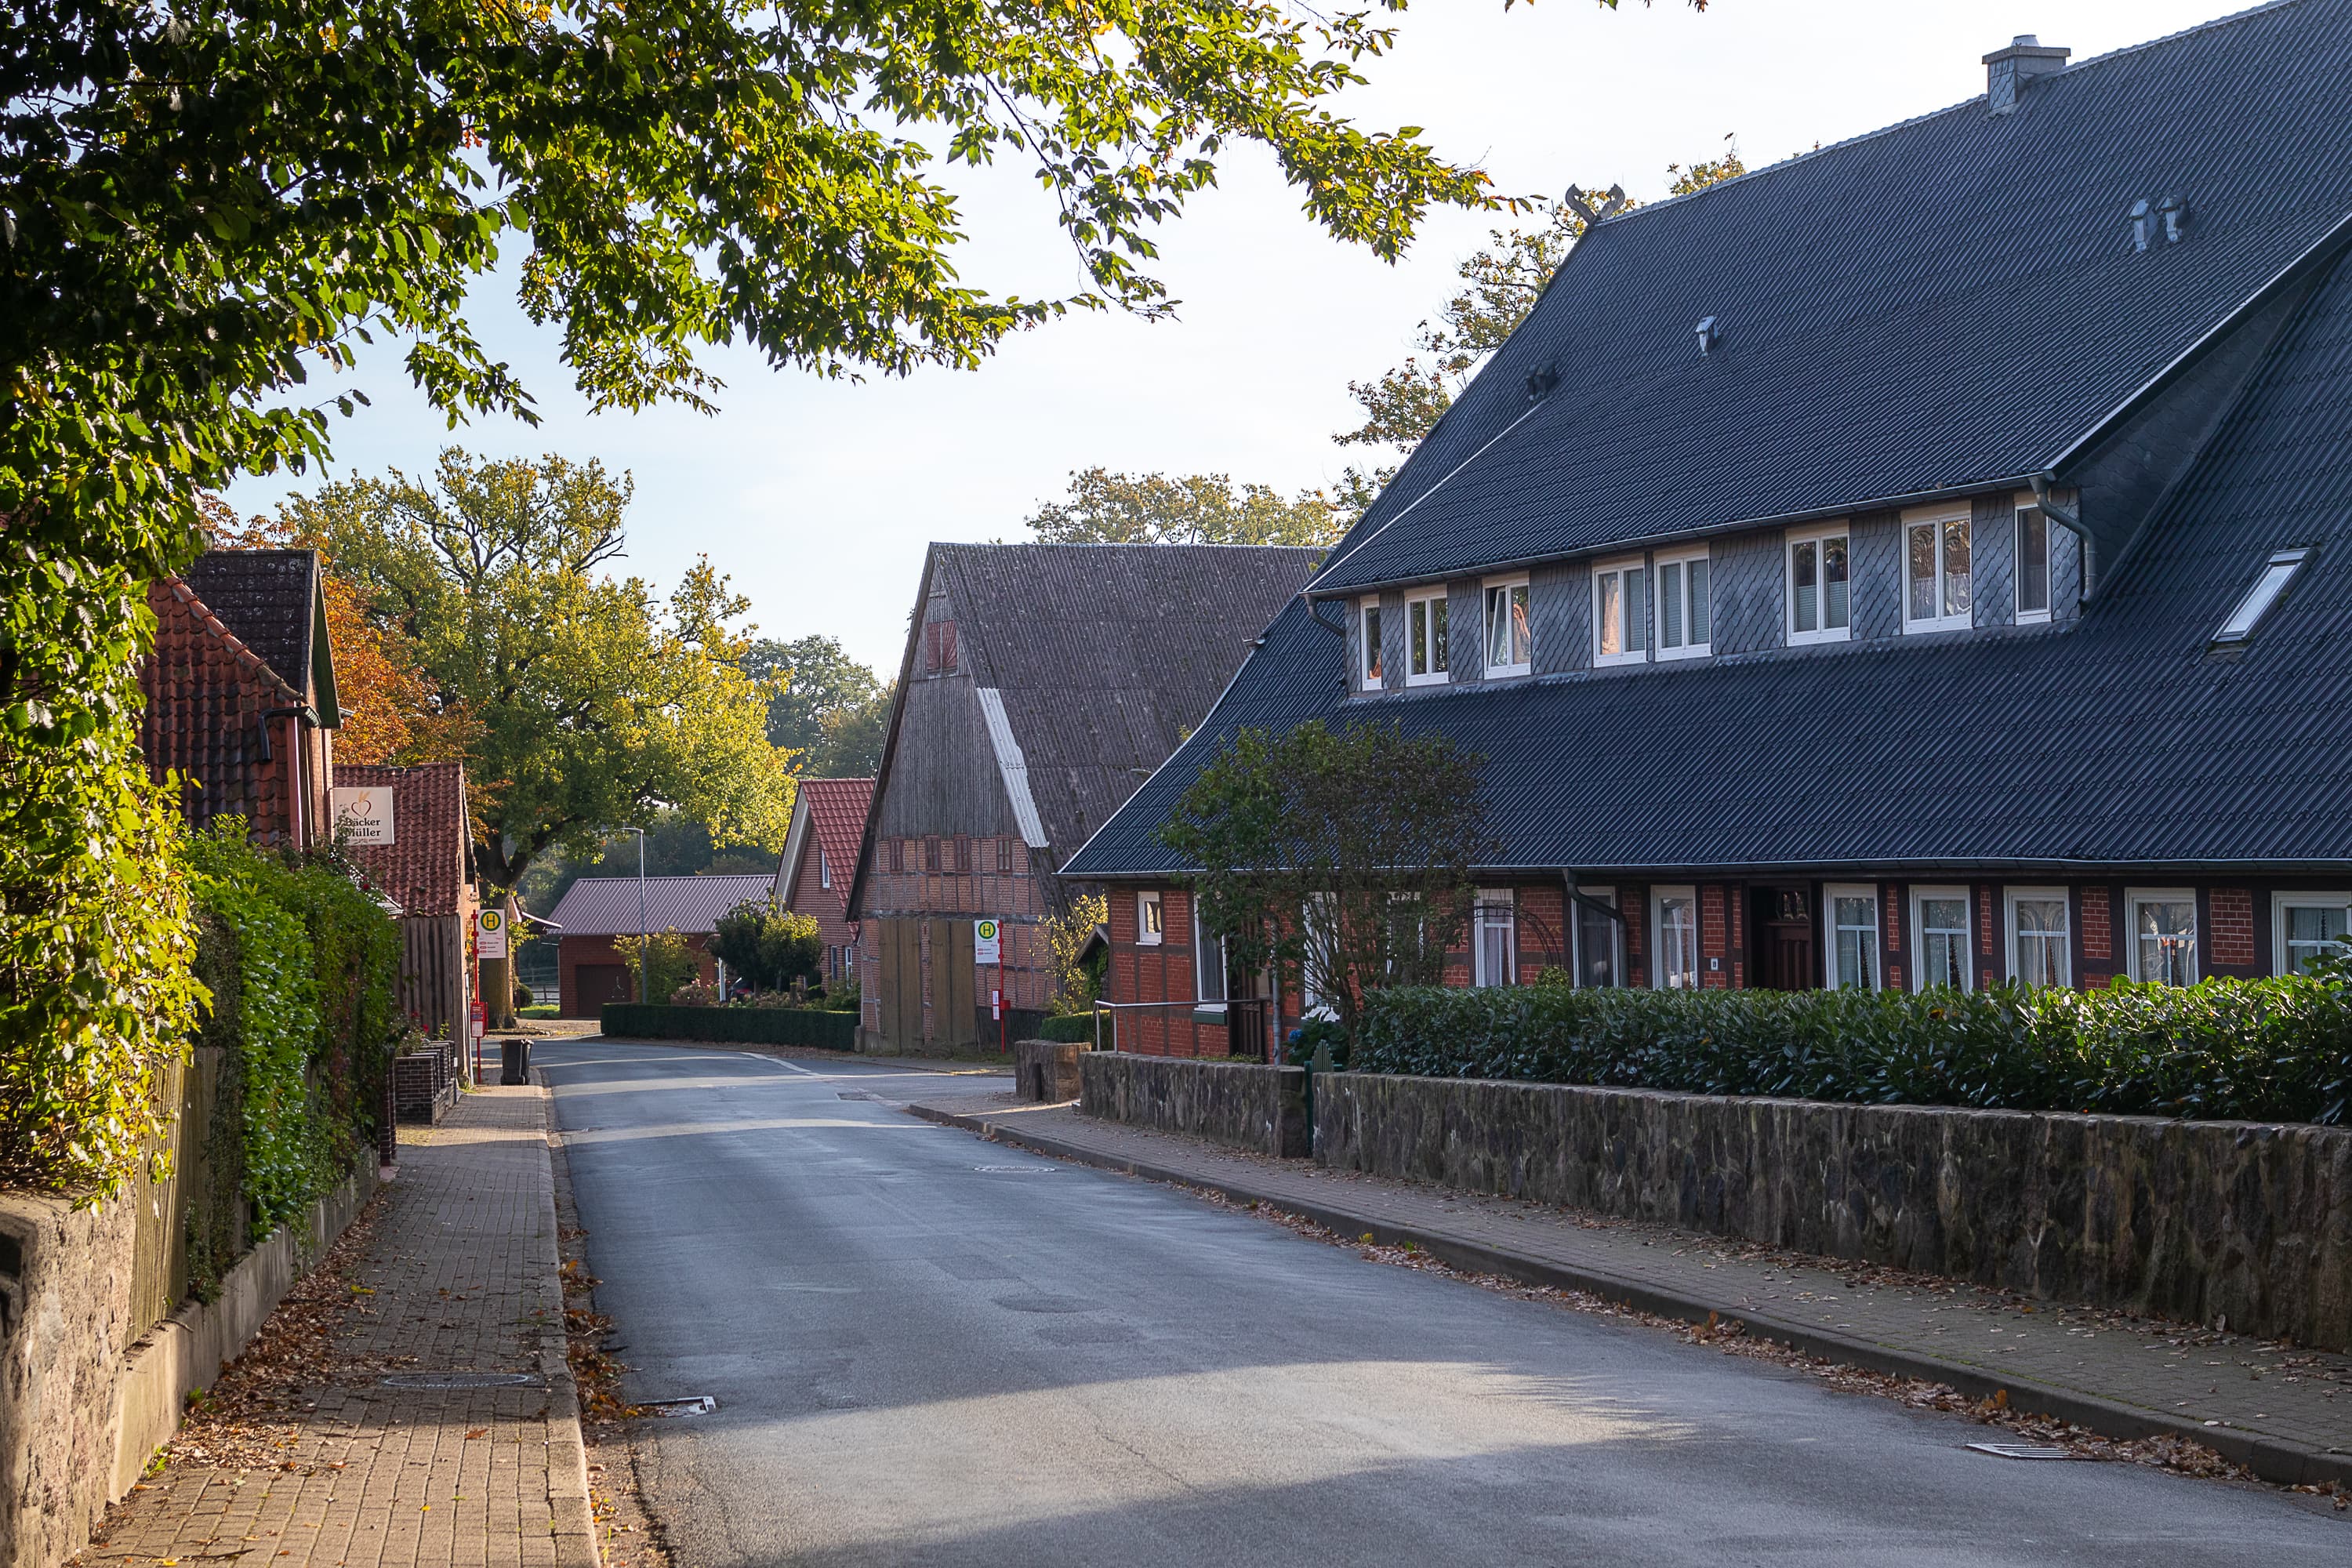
x: 2174, y: 1455
x: 627, y: 1535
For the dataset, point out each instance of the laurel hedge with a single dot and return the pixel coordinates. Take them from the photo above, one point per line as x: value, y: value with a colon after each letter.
x: 732, y: 1026
x: 2271, y: 1050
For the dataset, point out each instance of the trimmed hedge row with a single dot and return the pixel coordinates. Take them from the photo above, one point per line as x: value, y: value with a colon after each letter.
x: 2269, y: 1050
x: 1066, y: 1027
x: 742, y: 1026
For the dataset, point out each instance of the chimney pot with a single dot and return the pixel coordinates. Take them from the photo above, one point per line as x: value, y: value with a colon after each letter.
x: 2007, y: 70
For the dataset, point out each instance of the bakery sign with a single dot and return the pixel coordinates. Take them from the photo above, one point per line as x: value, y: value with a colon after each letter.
x: 363, y: 815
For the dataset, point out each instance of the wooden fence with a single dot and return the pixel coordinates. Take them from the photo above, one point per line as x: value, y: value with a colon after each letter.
x: 159, y: 1267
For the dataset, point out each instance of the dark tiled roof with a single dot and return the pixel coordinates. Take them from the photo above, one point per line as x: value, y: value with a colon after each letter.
x: 1106, y: 655
x: 1947, y: 302
x: 2119, y: 740
x: 607, y: 906
x: 423, y: 870
x: 269, y: 598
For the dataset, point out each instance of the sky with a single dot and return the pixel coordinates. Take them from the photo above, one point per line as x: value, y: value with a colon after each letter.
x: 817, y: 497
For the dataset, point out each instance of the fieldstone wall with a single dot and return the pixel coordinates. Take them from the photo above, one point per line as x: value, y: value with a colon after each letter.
x: 1246, y: 1104
x: 2191, y: 1220
x: 65, y: 1316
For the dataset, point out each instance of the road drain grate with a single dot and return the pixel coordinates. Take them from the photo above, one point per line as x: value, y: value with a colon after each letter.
x: 2023, y: 1451
x: 441, y: 1380
x: 1018, y: 1170
x: 697, y: 1404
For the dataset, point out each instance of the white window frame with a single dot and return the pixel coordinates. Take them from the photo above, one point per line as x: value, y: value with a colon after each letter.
x: 1203, y: 944
x: 1920, y: 896
x: 2026, y: 617
x: 1937, y: 517
x: 1817, y: 537
x: 1312, y: 1002
x: 1434, y: 637
x: 2280, y: 903
x: 2012, y: 934
x: 1488, y: 903
x: 1831, y: 893
x: 2249, y: 609
x: 1658, y: 896
x: 1637, y: 601
x: 1616, y: 938
x: 823, y: 868
x: 1150, y: 918
x: 1486, y: 596
x: 1682, y: 560
x: 1370, y: 668
x: 2134, y: 897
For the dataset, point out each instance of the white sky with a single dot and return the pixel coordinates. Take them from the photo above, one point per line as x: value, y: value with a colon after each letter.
x: 817, y: 497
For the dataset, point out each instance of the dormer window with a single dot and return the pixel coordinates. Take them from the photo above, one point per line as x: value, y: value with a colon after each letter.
x: 1621, y: 604
x: 2032, y: 565
x: 1510, y: 632
x: 1683, y: 606
x: 1939, y: 590
x: 1424, y: 639
x: 1821, y: 606
x: 1367, y: 622
x: 2277, y: 573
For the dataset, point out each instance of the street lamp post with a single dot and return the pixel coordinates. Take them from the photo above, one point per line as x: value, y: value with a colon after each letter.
x: 645, y: 941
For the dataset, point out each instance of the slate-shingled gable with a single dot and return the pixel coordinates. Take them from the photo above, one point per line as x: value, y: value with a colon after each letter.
x: 2117, y: 741
x: 1952, y: 301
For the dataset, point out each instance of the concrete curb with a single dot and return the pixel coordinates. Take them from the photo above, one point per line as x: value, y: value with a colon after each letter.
x: 574, y: 1527
x: 2286, y: 1464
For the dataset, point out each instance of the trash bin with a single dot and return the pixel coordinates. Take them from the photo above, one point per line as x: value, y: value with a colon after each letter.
x: 514, y: 1061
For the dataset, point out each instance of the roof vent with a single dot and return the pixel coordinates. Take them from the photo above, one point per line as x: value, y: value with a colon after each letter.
x: 1542, y: 382
x: 1707, y: 336
x: 2007, y: 70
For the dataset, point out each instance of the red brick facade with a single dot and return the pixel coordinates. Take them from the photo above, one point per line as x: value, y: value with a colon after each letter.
x: 590, y: 971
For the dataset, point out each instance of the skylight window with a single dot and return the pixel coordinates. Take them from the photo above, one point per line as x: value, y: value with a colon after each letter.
x: 2277, y: 573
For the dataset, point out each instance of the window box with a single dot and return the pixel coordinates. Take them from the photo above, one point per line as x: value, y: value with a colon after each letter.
x: 2041, y: 936
x: 1621, y: 604
x: 2306, y: 926
x: 1424, y: 639
x: 1510, y: 630
x: 2163, y: 934
x: 1940, y: 949
x: 1939, y: 586
x: 1820, y: 585
x: 1684, y: 623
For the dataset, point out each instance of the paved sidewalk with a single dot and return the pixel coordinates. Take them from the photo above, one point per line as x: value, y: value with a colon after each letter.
x: 460, y: 1277
x: 2285, y: 1414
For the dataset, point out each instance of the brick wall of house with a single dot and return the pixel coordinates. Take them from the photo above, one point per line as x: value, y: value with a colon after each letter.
x: 824, y: 905
x: 956, y: 877
x: 601, y: 953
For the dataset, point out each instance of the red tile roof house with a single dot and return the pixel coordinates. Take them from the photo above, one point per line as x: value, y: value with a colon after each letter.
x: 820, y: 853
x: 241, y: 692
x: 595, y: 911
x: 423, y: 870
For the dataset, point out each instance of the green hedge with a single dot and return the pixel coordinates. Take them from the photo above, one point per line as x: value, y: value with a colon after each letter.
x: 2255, y: 1049
x: 742, y: 1026
x: 1068, y: 1027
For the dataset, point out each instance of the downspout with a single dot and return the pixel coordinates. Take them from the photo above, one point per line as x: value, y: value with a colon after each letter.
x: 302, y: 714
x: 2046, y: 499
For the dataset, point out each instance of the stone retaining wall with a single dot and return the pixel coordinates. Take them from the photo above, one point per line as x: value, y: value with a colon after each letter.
x: 80, y: 1412
x: 2191, y: 1220
x: 1246, y: 1104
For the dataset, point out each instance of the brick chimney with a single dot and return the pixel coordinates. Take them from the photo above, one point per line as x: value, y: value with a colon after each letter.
x: 2007, y: 70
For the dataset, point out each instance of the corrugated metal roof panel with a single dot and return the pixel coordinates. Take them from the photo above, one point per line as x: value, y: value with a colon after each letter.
x: 607, y: 906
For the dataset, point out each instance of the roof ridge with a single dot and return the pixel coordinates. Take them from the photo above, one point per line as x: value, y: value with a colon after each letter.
x: 1662, y: 202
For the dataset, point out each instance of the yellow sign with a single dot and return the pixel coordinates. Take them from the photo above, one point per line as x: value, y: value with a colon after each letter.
x: 490, y: 934
x: 987, y: 942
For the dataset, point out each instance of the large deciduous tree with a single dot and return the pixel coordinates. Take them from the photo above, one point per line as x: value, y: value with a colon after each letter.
x: 829, y: 709
x: 1342, y: 857
x: 591, y: 704
x: 1106, y: 508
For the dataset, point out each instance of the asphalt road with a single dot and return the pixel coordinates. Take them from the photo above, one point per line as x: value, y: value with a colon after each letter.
x: 927, y: 1349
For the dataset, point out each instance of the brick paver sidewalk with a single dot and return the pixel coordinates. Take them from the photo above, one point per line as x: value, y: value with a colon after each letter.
x: 462, y: 1267
x: 2286, y: 1412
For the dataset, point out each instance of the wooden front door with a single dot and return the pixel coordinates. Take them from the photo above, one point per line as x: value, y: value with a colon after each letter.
x: 899, y: 952
x: 1780, y: 952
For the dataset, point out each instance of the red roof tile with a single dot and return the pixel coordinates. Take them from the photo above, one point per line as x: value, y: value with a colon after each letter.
x: 423, y: 870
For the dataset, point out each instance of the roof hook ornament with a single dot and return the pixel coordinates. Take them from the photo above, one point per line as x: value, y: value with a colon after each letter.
x: 1582, y: 204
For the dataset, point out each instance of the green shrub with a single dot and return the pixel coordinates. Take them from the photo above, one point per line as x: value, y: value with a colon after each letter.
x: 2257, y: 1050
x: 1066, y: 1027
x: 742, y: 1026
x: 673, y: 961
x: 767, y: 946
